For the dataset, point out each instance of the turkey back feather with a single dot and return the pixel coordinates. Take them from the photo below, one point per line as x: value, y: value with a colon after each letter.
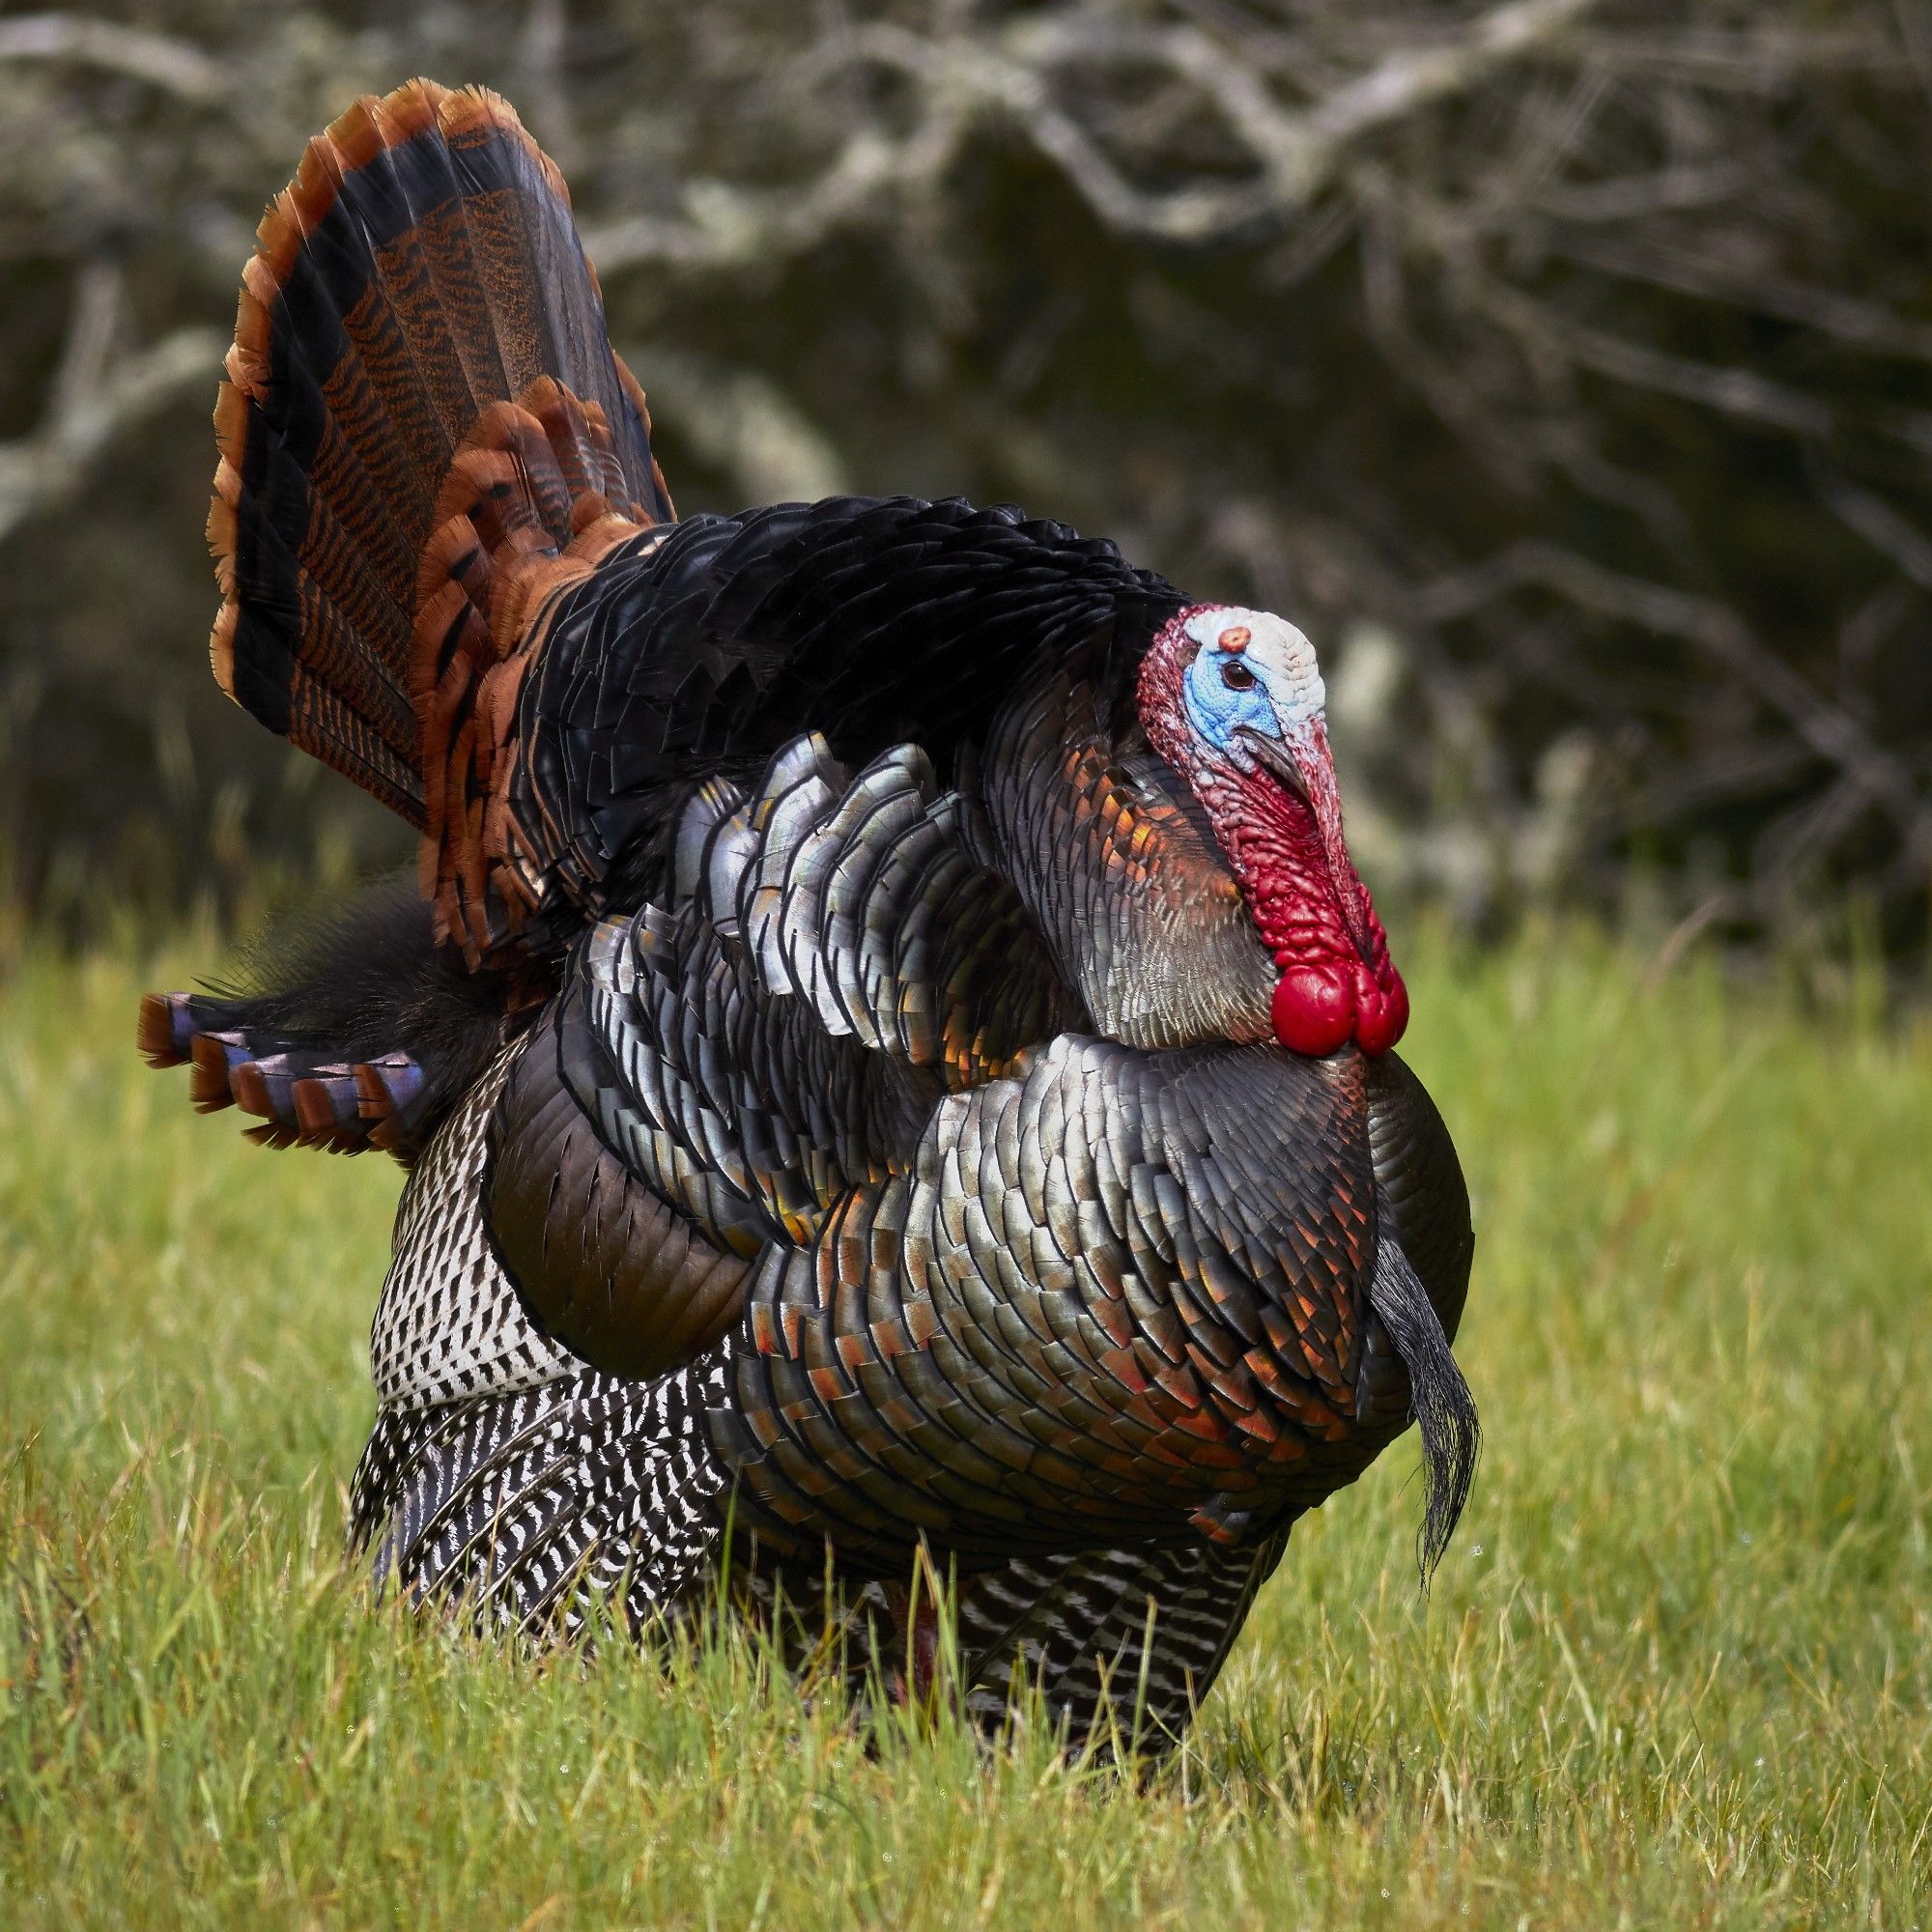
x: 424, y: 432
x: 877, y: 620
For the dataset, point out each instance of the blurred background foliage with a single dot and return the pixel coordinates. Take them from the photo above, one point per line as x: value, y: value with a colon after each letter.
x: 1564, y: 368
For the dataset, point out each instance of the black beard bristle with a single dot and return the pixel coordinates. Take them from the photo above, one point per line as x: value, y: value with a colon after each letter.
x: 1445, y: 1411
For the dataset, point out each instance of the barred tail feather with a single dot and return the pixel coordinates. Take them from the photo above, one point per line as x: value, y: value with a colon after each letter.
x: 348, y: 1032
x: 424, y: 434
x: 302, y: 1095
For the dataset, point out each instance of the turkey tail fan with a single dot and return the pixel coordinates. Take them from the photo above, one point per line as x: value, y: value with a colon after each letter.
x: 424, y: 435
x: 350, y: 1031
x: 1445, y: 1411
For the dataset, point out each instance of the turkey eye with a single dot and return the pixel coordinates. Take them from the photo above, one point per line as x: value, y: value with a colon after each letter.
x: 1236, y: 676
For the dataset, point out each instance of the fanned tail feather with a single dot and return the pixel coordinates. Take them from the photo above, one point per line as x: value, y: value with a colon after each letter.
x: 425, y: 435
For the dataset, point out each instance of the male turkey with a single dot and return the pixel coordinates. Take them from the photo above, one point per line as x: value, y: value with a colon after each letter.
x: 891, y: 1055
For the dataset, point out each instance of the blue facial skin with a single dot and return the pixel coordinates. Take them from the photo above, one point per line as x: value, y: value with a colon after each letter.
x: 1217, y: 712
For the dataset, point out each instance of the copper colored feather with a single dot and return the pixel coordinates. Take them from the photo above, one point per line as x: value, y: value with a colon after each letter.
x: 851, y: 1153
x: 424, y: 435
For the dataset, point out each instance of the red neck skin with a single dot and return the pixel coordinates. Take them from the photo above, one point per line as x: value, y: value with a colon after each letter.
x: 1313, y: 912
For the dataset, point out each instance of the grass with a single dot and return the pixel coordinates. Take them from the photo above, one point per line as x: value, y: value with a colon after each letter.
x: 1674, y: 1671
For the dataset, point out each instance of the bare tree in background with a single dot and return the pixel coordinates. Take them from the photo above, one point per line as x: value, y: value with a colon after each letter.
x: 1566, y: 368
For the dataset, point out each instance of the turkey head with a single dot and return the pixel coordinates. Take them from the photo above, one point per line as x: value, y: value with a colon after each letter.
x: 1233, y: 701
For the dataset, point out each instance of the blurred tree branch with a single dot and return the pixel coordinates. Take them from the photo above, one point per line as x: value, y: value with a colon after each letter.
x: 161, y: 62
x: 1008, y: 75
x: 97, y: 395
x: 1569, y: 361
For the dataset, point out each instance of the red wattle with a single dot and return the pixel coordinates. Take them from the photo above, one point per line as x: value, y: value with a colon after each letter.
x: 1381, y: 1013
x: 1278, y: 820
x: 1314, y: 1012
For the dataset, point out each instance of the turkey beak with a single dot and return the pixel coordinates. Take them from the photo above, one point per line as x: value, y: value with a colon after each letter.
x: 1305, y: 767
x: 1281, y: 760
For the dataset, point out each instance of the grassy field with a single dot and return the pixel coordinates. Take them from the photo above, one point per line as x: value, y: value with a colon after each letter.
x: 1674, y: 1671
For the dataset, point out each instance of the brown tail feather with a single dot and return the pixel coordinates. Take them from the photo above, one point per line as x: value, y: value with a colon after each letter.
x: 424, y: 435
x: 303, y: 1095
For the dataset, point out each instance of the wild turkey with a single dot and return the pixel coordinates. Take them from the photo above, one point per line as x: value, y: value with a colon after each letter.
x: 891, y: 1055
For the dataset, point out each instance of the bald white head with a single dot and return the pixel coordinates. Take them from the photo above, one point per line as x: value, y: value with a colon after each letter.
x: 1253, y: 672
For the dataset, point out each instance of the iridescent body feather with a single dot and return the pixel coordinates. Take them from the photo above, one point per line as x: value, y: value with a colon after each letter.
x: 890, y: 1052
